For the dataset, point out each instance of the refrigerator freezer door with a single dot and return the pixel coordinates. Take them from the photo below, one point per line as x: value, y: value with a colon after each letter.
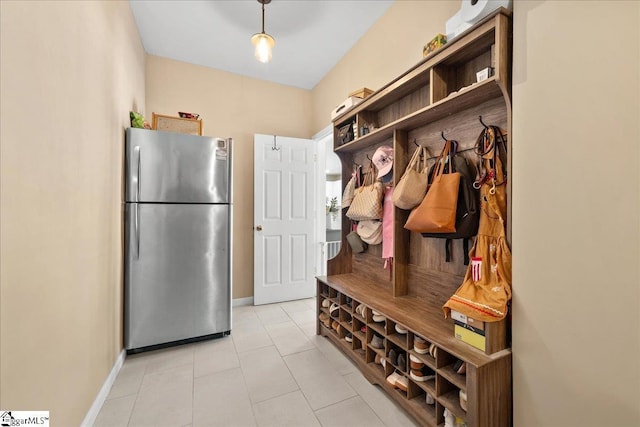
x: 171, y: 167
x: 177, y: 272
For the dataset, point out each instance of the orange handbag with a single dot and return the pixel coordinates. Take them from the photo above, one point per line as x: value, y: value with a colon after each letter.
x: 437, y: 211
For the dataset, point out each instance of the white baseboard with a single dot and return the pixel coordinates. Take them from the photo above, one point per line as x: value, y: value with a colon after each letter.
x: 243, y: 301
x: 91, y: 416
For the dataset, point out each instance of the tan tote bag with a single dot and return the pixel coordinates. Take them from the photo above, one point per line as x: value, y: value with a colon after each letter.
x: 412, y: 186
x: 367, y: 199
x: 486, y: 289
x: 437, y: 212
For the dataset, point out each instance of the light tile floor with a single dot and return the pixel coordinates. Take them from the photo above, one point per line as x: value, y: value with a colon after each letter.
x: 272, y: 371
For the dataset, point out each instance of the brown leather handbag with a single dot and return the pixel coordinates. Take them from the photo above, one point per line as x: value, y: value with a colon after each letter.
x: 437, y: 211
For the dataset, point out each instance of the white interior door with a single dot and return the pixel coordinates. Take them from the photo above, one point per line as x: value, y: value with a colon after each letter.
x: 284, y: 236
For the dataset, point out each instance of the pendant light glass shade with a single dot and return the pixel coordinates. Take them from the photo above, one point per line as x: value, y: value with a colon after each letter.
x: 263, y: 43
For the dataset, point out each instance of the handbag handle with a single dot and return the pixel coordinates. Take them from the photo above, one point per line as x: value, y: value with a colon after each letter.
x: 418, y: 160
x: 441, y: 162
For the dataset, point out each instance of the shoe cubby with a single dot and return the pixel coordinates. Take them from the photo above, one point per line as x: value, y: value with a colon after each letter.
x: 378, y: 325
x: 359, y: 330
x: 372, y: 342
x: 359, y: 311
x: 395, y: 335
x: 449, y: 366
x: 397, y: 357
x: 346, y: 319
x: 448, y: 395
x: 416, y: 398
x: 422, y: 351
x: 323, y: 291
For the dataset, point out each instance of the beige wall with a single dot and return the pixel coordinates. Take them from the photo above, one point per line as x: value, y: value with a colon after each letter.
x: 231, y: 106
x: 576, y: 186
x: 70, y: 73
x: 390, y: 47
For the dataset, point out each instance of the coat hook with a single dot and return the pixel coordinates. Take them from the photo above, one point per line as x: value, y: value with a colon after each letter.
x: 275, y: 147
x: 368, y: 157
x: 485, y: 126
x: 442, y: 135
x: 415, y: 142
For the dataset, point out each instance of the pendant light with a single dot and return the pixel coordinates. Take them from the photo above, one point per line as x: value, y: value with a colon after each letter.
x: 263, y: 42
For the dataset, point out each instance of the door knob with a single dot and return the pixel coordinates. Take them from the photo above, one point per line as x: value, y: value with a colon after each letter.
x: 259, y: 228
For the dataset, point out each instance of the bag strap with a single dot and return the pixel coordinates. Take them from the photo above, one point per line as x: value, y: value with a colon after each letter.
x: 416, y: 159
x: 441, y: 162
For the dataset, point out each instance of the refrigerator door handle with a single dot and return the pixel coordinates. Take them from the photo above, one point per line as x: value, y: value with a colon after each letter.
x: 136, y: 177
x: 136, y: 244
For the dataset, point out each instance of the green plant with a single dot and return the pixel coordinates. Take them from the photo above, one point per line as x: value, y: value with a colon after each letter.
x: 332, y: 205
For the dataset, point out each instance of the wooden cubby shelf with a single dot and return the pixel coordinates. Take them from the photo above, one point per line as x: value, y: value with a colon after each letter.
x: 439, y: 95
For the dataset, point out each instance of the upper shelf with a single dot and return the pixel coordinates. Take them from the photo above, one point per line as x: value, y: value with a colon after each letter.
x: 462, y: 100
x: 474, y: 39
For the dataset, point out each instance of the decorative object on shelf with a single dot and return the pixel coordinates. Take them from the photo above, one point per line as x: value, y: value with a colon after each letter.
x: 483, y: 74
x: 367, y: 200
x: 472, y: 11
x: 437, y: 212
x: 361, y: 93
x: 436, y: 43
x: 486, y: 299
x: 184, y: 115
x: 137, y: 121
x: 345, y: 133
x: 412, y: 187
x: 177, y: 124
x: 262, y: 41
x: 348, y: 103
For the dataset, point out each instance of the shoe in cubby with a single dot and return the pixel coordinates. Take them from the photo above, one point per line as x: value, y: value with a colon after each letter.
x: 377, y: 341
x: 401, y: 329
x: 415, y: 362
x: 420, y: 345
x: 377, y: 316
x: 333, y: 309
x: 423, y: 374
x: 402, y: 362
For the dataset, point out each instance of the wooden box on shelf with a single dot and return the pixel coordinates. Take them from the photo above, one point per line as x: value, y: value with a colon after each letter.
x: 176, y: 124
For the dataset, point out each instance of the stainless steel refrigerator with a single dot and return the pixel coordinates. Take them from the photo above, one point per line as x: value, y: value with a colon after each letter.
x: 178, y: 211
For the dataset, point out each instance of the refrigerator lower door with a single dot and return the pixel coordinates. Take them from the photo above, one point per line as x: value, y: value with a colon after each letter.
x: 177, y: 272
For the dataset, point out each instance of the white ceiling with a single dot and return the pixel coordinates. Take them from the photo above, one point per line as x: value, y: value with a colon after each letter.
x: 311, y: 35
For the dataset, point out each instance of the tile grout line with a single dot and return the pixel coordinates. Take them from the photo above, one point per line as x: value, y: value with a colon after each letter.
x: 304, y: 396
x: 246, y: 387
